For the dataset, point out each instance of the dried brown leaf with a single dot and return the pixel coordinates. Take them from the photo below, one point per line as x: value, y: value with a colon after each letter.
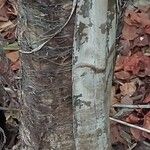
x: 137, y: 134
x: 115, y: 134
x: 12, y: 55
x: 123, y: 75
x: 139, y: 17
x: 147, y: 121
x: 129, y: 32
x: 16, y: 65
x: 126, y: 46
x: 146, y: 135
x: 132, y: 64
x: 146, y: 62
x: 141, y: 41
x: 119, y: 63
x: 146, y: 125
x: 113, y: 99
x: 133, y: 119
x: 5, y: 26
x: 2, y: 3
x: 147, y: 29
x: 128, y: 89
x: 127, y: 100
x: 8, y: 21
x: 147, y: 99
x: 137, y: 62
x: 3, y: 14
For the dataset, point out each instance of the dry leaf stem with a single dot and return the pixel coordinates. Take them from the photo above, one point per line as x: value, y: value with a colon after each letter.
x: 130, y: 125
x: 131, y: 106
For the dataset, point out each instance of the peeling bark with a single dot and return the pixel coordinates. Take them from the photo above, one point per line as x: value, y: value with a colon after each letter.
x: 93, y: 62
x: 46, y: 40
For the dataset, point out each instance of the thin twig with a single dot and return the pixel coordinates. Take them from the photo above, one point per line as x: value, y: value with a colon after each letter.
x: 130, y: 125
x: 131, y: 106
x: 131, y: 147
x: 9, y: 109
x: 146, y: 143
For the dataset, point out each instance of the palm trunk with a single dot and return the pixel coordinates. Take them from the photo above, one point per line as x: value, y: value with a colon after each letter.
x: 46, y: 39
x: 92, y: 73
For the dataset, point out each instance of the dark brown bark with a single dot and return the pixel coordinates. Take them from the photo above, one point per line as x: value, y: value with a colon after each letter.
x: 46, y: 119
x: 6, y: 80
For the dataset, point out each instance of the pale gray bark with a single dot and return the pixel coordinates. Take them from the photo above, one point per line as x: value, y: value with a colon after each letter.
x: 93, y: 62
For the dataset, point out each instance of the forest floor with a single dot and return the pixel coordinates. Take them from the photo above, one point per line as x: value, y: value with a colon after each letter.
x: 130, y: 112
x: 130, y: 105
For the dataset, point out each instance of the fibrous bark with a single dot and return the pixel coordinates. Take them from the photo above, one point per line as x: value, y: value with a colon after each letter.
x: 93, y: 62
x: 46, y: 38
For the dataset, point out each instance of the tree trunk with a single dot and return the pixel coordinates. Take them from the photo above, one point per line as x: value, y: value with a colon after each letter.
x: 93, y: 63
x: 46, y: 39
